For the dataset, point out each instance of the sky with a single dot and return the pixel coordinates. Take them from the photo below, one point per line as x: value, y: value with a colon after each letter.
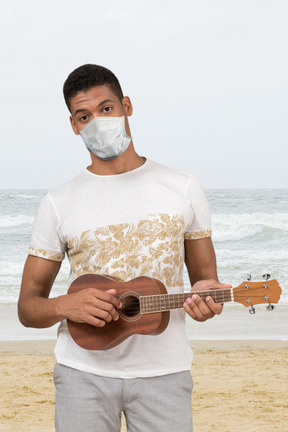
x: 208, y: 81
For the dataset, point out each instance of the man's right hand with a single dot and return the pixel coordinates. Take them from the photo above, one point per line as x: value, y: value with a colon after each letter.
x: 90, y: 305
x: 36, y: 309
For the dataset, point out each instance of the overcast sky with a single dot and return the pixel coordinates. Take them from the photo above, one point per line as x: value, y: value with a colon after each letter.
x: 208, y: 81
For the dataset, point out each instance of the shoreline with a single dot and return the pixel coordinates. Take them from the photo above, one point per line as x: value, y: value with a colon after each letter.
x: 235, y: 323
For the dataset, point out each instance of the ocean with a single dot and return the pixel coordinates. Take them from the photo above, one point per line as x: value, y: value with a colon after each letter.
x: 250, y: 235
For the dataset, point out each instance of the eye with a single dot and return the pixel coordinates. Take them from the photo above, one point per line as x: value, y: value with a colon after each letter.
x: 107, y: 109
x: 84, y: 118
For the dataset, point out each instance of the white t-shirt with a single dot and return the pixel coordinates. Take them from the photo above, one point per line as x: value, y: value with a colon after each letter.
x: 126, y: 225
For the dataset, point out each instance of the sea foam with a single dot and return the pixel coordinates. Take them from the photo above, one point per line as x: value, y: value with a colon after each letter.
x: 11, y: 221
x: 240, y: 226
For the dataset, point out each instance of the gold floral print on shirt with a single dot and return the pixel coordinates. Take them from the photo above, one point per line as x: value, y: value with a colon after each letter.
x: 197, y: 235
x: 152, y: 247
x: 45, y: 254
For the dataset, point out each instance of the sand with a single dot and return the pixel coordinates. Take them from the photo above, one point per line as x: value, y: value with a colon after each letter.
x: 239, y: 386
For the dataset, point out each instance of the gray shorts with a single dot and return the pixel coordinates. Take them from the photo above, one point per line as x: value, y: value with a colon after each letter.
x: 91, y: 403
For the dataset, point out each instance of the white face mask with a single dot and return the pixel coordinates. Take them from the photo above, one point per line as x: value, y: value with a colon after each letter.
x: 106, y: 137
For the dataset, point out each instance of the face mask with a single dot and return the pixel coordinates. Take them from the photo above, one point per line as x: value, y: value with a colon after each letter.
x: 106, y: 137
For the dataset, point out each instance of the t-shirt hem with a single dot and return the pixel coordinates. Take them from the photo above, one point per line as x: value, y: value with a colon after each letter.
x: 52, y: 256
x: 197, y: 235
x: 121, y: 374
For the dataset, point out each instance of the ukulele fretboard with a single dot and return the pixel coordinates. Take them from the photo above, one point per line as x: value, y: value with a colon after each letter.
x: 166, y: 302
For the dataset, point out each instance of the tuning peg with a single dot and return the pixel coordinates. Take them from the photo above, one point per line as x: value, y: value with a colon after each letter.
x: 266, y: 276
x: 270, y: 307
x: 252, y: 310
x: 249, y: 277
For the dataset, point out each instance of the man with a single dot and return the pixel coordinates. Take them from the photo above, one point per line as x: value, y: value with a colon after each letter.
x: 124, y: 217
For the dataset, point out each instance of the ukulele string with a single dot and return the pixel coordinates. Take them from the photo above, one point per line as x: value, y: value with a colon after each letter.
x: 159, y: 301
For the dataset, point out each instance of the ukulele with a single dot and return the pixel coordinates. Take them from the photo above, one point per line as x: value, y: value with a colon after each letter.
x: 146, y: 305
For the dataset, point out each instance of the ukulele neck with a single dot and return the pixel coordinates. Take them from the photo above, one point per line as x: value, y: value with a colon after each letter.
x: 167, y: 302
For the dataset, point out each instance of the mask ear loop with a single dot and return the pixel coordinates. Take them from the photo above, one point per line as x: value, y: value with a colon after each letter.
x: 124, y: 129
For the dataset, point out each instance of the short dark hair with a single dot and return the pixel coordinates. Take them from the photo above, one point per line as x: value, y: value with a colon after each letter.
x: 87, y: 76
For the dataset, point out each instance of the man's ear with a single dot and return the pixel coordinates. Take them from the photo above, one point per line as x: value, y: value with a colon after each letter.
x: 127, y: 106
x: 74, y: 127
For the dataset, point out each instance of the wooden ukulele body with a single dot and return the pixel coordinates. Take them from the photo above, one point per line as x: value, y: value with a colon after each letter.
x: 131, y: 320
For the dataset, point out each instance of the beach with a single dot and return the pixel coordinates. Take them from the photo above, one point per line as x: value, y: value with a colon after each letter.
x: 239, y: 386
x: 240, y: 366
x: 240, y: 372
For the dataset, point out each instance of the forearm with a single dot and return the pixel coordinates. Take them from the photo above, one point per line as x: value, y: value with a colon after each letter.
x: 39, y: 312
x: 35, y: 308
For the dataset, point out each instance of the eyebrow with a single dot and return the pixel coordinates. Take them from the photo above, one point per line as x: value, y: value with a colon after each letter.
x: 80, y: 110
x: 104, y: 102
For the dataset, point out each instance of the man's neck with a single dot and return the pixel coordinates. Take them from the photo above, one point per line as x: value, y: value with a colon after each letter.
x: 128, y: 161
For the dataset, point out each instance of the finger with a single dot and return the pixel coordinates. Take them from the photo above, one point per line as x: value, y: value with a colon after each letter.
x: 96, y: 322
x: 201, y: 305
x: 215, y: 307
x: 199, y: 310
x: 189, y: 310
x: 102, y: 315
x: 107, y: 296
x: 223, y: 285
x: 105, y: 310
x: 218, y: 285
x: 113, y: 293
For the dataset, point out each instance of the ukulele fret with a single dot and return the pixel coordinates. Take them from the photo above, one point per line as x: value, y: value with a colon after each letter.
x: 161, y: 303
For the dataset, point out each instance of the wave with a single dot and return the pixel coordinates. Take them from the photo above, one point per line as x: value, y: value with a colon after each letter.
x: 238, y: 226
x: 267, y: 259
x: 27, y: 196
x: 10, y: 221
x: 16, y: 195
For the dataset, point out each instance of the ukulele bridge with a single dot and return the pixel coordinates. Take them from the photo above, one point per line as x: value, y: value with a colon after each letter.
x: 130, y: 310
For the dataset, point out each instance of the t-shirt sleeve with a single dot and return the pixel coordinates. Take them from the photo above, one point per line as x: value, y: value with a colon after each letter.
x: 200, y: 225
x: 45, y: 241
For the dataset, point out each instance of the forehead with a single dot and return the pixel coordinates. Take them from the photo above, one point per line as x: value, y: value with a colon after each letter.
x: 92, y: 97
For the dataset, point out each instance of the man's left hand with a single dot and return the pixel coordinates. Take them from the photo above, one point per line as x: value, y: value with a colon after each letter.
x: 199, y: 309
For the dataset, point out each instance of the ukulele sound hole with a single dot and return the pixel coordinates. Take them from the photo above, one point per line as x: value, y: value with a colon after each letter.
x: 130, y: 307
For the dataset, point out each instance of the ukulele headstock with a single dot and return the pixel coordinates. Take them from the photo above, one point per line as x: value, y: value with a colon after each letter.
x: 252, y: 293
